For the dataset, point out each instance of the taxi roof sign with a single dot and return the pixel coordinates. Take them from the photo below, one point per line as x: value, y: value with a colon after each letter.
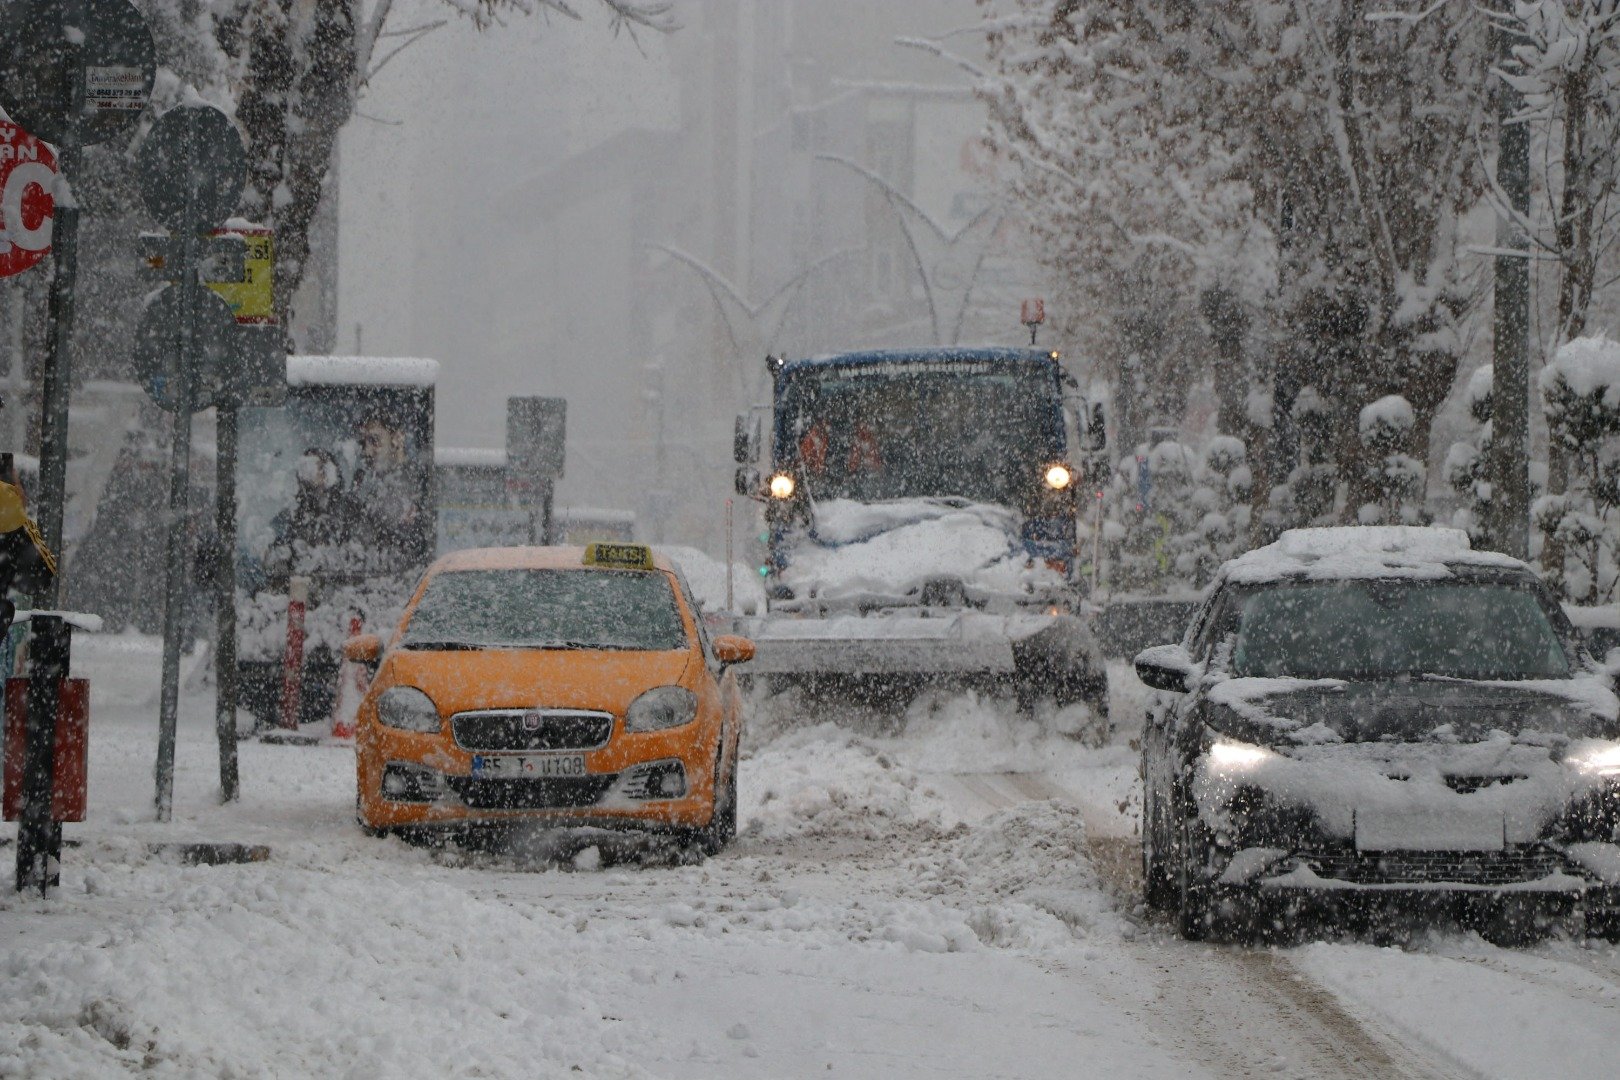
x: 619, y: 556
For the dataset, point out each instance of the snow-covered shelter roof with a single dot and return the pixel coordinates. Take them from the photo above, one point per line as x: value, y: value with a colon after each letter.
x: 480, y: 457
x: 361, y: 370
x: 1363, y: 551
x: 948, y: 354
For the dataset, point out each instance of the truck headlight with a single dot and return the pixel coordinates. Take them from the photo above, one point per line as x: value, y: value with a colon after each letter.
x: 661, y: 707
x: 783, y: 486
x: 409, y: 709
x: 1059, y: 477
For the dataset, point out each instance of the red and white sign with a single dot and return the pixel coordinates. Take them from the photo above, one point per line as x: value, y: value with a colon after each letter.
x: 27, y: 208
x: 1032, y: 312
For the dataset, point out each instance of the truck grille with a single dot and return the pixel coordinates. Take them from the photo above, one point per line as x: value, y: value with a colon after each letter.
x: 531, y: 729
x: 1510, y: 867
x: 551, y: 793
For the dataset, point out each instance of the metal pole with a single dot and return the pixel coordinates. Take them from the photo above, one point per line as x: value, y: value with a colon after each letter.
x: 1510, y: 391
x: 730, y: 572
x: 175, y: 592
x: 39, y: 838
x: 56, y: 382
x: 225, y: 614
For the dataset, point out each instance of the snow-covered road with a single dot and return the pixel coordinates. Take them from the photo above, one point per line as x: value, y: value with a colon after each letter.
x: 955, y: 900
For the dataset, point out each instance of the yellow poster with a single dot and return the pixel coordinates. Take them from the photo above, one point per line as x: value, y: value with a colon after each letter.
x: 252, y: 298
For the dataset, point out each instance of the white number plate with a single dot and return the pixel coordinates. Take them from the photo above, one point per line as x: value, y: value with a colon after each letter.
x: 526, y: 766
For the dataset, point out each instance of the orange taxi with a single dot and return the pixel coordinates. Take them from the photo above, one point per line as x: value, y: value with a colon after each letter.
x: 570, y: 686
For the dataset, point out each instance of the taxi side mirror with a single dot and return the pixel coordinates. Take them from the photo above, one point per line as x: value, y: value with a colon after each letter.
x: 731, y: 649
x: 364, y: 649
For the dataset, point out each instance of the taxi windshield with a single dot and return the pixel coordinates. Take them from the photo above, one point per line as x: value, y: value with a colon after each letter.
x: 547, y: 609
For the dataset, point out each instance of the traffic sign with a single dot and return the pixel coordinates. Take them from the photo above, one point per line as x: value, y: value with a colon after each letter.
x: 75, y: 72
x: 27, y: 206
x: 159, y: 346
x: 191, y: 168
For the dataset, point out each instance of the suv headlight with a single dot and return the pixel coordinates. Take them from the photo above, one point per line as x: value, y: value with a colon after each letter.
x: 661, y: 707
x: 408, y: 709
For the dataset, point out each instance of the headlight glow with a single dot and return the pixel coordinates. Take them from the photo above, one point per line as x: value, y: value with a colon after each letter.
x: 783, y: 486
x: 1604, y: 761
x: 409, y: 709
x: 661, y: 707
x: 1236, y: 756
x: 1059, y: 477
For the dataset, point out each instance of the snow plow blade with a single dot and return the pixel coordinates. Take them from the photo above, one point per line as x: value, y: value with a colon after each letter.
x: 852, y: 645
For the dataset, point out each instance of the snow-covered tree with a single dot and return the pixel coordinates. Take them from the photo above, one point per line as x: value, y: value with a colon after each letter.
x: 1581, y: 395
x: 1174, y: 515
x: 1319, y: 158
x: 1394, y: 476
x: 1467, y: 466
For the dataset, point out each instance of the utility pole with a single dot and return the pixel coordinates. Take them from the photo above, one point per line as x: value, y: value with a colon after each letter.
x: 1509, y: 524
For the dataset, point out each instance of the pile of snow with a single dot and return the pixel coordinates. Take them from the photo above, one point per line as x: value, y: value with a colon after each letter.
x: 707, y: 577
x: 1030, y: 862
x: 824, y: 781
x: 1362, y: 551
x: 889, y: 549
x: 1588, y: 367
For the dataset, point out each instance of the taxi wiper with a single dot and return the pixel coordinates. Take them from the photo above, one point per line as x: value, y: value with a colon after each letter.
x: 563, y: 644
x: 443, y: 646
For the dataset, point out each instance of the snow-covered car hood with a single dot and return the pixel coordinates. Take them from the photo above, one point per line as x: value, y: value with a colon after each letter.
x: 1423, y: 763
x: 1282, y: 712
x: 890, y: 552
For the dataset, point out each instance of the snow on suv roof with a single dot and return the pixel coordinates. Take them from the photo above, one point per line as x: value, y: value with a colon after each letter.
x: 1363, y: 551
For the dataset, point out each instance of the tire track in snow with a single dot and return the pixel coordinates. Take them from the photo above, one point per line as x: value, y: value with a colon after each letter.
x: 1237, y: 1012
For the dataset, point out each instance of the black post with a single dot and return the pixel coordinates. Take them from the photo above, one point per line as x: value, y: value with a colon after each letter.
x: 39, y: 837
x: 225, y: 620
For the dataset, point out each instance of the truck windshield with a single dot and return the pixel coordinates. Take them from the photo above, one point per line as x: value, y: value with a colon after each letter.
x: 555, y: 609
x: 969, y: 430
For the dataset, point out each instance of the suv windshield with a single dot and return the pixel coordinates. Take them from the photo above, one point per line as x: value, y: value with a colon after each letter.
x: 559, y: 609
x: 1384, y: 628
x: 923, y: 430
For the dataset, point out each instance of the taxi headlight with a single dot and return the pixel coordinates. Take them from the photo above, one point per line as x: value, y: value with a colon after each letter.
x: 661, y: 707
x: 783, y: 486
x: 1229, y: 756
x: 408, y: 709
x: 1058, y: 477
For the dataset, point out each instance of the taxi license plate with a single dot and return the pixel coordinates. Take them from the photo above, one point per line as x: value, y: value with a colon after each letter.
x: 527, y: 766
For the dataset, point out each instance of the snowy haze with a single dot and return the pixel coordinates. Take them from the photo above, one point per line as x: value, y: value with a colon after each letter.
x: 505, y: 200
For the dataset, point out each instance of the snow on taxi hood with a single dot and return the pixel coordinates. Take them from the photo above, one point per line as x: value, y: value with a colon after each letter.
x: 891, y: 549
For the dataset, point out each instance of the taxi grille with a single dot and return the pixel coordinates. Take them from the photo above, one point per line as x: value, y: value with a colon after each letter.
x: 551, y: 793
x: 531, y: 729
x: 1510, y: 867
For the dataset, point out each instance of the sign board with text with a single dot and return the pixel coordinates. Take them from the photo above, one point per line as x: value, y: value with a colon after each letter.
x: 27, y: 207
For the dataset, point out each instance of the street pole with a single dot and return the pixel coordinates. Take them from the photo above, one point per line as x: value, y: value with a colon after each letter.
x: 1510, y: 389
x: 225, y: 614
x: 179, y: 506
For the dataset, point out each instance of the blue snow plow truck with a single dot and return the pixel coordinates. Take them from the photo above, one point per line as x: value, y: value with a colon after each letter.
x: 922, y: 511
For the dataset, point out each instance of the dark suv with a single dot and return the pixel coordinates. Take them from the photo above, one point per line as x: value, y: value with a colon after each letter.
x: 1363, y: 719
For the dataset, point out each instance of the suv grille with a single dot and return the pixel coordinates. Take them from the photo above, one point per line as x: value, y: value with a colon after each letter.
x: 531, y: 729
x: 1510, y: 867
